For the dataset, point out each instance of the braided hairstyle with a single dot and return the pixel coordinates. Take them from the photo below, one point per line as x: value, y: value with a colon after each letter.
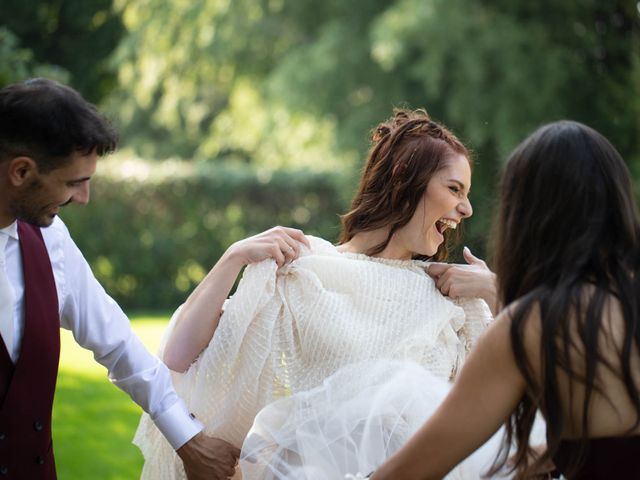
x: 406, y: 151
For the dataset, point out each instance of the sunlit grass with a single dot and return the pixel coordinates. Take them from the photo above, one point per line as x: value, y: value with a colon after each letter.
x: 93, y: 421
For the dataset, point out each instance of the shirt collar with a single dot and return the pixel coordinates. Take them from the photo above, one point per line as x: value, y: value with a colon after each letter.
x: 11, y: 230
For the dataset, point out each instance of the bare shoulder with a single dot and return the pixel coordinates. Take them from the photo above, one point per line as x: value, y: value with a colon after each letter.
x: 530, y: 324
x: 527, y: 332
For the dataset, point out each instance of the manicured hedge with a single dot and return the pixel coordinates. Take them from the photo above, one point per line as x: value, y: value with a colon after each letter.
x: 152, y: 231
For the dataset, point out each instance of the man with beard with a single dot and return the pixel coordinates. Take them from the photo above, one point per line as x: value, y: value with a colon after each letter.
x: 50, y: 141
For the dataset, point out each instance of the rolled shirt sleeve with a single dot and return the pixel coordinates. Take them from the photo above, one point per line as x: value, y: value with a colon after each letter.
x: 99, y: 324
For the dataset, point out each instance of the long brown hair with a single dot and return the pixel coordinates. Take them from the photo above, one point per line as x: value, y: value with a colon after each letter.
x: 406, y: 150
x: 567, y: 220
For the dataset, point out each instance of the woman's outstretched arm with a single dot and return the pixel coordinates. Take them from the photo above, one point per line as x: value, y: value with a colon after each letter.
x: 485, y: 393
x: 198, y: 319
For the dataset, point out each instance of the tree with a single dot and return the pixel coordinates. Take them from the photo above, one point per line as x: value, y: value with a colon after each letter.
x: 217, y: 78
x: 17, y: 63
x: 76, y: 36
x: 492, y: 70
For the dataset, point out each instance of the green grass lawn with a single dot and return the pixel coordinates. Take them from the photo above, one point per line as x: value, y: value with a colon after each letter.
x: 93, y: 421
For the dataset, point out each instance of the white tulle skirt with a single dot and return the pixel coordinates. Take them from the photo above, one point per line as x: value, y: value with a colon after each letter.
x: 349, y: 425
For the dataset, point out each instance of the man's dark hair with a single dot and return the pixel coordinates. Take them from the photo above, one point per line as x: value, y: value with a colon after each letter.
x: 48, y: 122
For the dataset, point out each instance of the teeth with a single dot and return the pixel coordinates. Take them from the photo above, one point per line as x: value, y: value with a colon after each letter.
x: 448, y: 223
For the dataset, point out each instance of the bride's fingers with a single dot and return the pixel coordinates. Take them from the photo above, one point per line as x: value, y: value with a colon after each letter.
x: 283, y: 244
x: 295, y: 235
x: 292, y: 236
x: 290, y: 253
x: 277, y: 254
x: 293, y: 247
x: 280, y: 251
x: 288, y: 245
x: 288, y: 248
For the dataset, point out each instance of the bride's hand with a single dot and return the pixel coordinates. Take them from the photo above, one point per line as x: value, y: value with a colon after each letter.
x: 283, y: 244
x: 198, y: 320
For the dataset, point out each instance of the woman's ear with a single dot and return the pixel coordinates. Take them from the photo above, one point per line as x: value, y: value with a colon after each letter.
x: 21, y: 170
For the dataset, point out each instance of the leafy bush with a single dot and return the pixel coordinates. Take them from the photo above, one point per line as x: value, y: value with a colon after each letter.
x: 152, y: 231
x: 17, y: 63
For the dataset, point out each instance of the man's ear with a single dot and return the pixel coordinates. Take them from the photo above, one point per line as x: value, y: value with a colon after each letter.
x: 22, y: 170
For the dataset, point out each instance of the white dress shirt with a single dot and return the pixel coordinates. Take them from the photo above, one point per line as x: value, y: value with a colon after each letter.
x: 98, y: 324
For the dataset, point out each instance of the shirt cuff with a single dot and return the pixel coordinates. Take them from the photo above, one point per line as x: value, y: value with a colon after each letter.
x: 177, y: 425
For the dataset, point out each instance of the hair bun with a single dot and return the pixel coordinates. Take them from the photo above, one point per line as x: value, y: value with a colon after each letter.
x: 380, y: 132
x: 402, y: 116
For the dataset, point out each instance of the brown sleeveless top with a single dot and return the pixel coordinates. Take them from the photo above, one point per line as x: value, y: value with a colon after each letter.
x: 605, y: 458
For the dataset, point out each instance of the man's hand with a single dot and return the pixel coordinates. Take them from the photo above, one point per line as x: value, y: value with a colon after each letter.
x: 472, y: 280
x: 208, y: 458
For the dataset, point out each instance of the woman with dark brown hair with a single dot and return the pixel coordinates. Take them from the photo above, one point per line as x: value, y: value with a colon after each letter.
x: 306, y: 309
x: 568, y: 343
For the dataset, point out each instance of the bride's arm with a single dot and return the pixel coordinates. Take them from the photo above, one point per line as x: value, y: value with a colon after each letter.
x: 198, y: 319
x: 487, y: 390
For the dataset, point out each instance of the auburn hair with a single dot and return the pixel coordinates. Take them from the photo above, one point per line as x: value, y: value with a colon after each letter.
x: 406, y: 150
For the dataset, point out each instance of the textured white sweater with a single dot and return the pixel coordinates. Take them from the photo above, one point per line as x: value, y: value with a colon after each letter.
x: 285, y: 330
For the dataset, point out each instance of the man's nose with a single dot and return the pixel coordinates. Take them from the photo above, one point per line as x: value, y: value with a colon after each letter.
x: 82, y: 194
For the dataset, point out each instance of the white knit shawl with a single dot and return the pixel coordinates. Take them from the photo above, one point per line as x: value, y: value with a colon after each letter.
x: 285, y: 330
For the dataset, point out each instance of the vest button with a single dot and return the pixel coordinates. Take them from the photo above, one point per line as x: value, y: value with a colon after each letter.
x: 4, y: 470
x: 39, y: 460
x: 37, y: 426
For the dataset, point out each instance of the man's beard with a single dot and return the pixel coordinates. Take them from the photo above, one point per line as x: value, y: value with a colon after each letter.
x: 27, y: 207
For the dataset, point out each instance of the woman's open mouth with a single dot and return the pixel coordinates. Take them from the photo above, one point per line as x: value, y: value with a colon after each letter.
x: 444, y: 223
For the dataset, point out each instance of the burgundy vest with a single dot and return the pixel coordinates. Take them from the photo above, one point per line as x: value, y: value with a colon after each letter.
x: 27, y: 387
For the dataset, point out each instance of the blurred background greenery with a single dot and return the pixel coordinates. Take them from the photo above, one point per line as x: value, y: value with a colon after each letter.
x: 238, y: 115
x: 94, y: 422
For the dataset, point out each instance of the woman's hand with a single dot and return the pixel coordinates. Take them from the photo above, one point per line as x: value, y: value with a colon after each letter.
x: 200, y: 314
x: 471, y: 280
x: 283, y: 244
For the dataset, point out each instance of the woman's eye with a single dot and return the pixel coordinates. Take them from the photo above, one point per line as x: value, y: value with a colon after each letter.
x: 454, y: 189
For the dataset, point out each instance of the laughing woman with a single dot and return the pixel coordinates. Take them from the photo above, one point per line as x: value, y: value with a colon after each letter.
x: 306, y: 309
x: 568, y: 343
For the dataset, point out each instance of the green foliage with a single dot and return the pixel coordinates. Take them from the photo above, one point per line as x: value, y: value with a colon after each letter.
x: 493, y: 70
x: 17, y: 63
x: 280, y: 84
x: 238, y: 82
x: 183, y: 87
x: 152, y: 232
x: 76, y: 36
